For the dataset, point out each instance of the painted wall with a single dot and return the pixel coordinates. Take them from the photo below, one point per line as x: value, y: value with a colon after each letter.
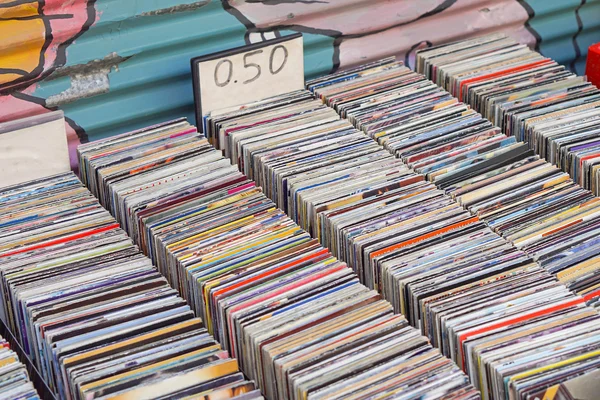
x: 115, y: 65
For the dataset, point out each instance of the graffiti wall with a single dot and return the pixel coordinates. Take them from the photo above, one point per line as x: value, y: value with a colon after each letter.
x: 115, y: 65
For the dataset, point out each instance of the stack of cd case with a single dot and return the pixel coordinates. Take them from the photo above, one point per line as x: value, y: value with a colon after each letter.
x: 536, y: 207
x: 299, y: 321
x: 91, y: 312
x: 530, y: 202
x: 529, y: 96
x: 42, y: 389
x: 14, y: 379
x: 405, y: 233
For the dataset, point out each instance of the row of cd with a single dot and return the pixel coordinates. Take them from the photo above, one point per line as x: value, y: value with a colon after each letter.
x: 91, y: 312
x: 528, y: 95
x: 528, y: 201
x: 14, y: 380
x: 273, y: 296
x: 485, y: 302
x: 297, y: 319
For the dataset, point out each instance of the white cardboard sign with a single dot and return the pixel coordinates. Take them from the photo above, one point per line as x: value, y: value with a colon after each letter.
x: 33, y: 148
x: 248, y: 73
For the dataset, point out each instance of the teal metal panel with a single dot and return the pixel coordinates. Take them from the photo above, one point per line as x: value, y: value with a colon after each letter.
x: 116, y: 65
x: 566, y: 29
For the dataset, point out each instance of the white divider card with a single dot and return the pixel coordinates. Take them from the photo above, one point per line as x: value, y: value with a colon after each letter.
x: 248, y: 73
x: 33, y: 148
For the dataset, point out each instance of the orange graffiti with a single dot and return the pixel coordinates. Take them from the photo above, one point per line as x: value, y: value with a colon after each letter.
x: 34, y: 36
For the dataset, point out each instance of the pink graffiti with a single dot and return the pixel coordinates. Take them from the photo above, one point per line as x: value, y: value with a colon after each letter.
x: 367, y: 30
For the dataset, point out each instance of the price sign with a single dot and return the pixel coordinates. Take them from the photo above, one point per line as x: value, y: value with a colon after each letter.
x: 32, y: 148
x: 248, y: 73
